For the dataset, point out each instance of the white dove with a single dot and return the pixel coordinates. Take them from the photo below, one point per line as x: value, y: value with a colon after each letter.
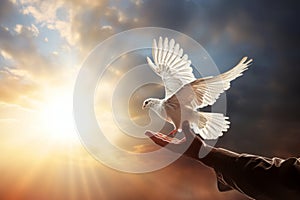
x: 184, y: 94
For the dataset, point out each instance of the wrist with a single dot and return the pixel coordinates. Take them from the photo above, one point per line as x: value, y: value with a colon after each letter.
x: 200, y: 152
x: 197, y: 146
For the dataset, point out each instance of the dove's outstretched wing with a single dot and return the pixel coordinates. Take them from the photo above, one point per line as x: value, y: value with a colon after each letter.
x: 171, y: 65
x: 205, y: 91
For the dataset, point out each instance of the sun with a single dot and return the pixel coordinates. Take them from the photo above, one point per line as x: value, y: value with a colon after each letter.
x: 57, y: 117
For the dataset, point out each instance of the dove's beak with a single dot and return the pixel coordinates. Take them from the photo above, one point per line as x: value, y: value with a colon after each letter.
x: 143, y: 107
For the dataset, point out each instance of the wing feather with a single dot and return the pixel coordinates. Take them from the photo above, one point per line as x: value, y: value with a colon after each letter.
x: 205, y: 91
x: 171, y: 65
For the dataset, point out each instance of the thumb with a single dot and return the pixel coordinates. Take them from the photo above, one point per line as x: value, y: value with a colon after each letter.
x: 189, y: 134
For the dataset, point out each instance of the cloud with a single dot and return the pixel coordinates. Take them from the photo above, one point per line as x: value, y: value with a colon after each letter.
x: 266, y: 92
x: 7, y: 11
x: 46, y: 13
x: 83, y: 24
x: 24, y: 70
x: 227, y: 32
x: 263, y: 105
x: 15, y: 69
x: 5, y: 55
x: 137, y: 2
x: 29, y: 31
x: 25, y: 53
x: 16, y: 89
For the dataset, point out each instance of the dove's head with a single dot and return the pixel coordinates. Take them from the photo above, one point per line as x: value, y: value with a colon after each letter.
x: 150, y: 103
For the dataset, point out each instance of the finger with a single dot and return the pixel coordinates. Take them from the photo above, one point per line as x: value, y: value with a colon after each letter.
x: 165, y: 141
x: 149, y: 134
x: 189, y: 134
x: 156, y: 139
x: 168, y: 139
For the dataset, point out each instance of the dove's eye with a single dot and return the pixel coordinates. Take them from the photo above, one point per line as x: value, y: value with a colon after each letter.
x: 146, y: 102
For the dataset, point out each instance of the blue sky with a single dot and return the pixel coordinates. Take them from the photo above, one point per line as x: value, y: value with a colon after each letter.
x: 43, y: 44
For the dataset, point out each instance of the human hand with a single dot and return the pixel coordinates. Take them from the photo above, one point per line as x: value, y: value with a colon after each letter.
x: 179, y: 146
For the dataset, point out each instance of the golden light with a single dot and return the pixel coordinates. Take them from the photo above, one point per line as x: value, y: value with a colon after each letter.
x: 57, y: 118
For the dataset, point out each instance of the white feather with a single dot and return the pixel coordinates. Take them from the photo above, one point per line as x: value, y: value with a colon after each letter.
x: 184, y: 91
x: 174, y: 69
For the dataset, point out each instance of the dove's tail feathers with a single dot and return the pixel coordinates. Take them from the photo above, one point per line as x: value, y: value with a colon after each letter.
x: 210, y: 125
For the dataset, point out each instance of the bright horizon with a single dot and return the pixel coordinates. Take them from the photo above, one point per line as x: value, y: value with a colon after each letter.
x: 42, y: 47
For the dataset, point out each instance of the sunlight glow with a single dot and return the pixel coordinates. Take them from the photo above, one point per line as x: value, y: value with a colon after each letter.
x: 57, y: 118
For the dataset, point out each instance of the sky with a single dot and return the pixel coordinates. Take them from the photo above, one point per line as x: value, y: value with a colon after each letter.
x: 43, y: 45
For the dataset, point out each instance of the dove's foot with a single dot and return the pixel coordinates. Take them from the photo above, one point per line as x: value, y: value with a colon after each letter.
x: 172, y: 133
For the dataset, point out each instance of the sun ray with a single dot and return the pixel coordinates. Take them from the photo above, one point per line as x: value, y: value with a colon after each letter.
x: 31, y: 173
x: 72, y: 192
x: 84, y: 182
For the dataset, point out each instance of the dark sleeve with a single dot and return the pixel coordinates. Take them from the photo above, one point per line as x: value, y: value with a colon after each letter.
x: 256, y: 176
